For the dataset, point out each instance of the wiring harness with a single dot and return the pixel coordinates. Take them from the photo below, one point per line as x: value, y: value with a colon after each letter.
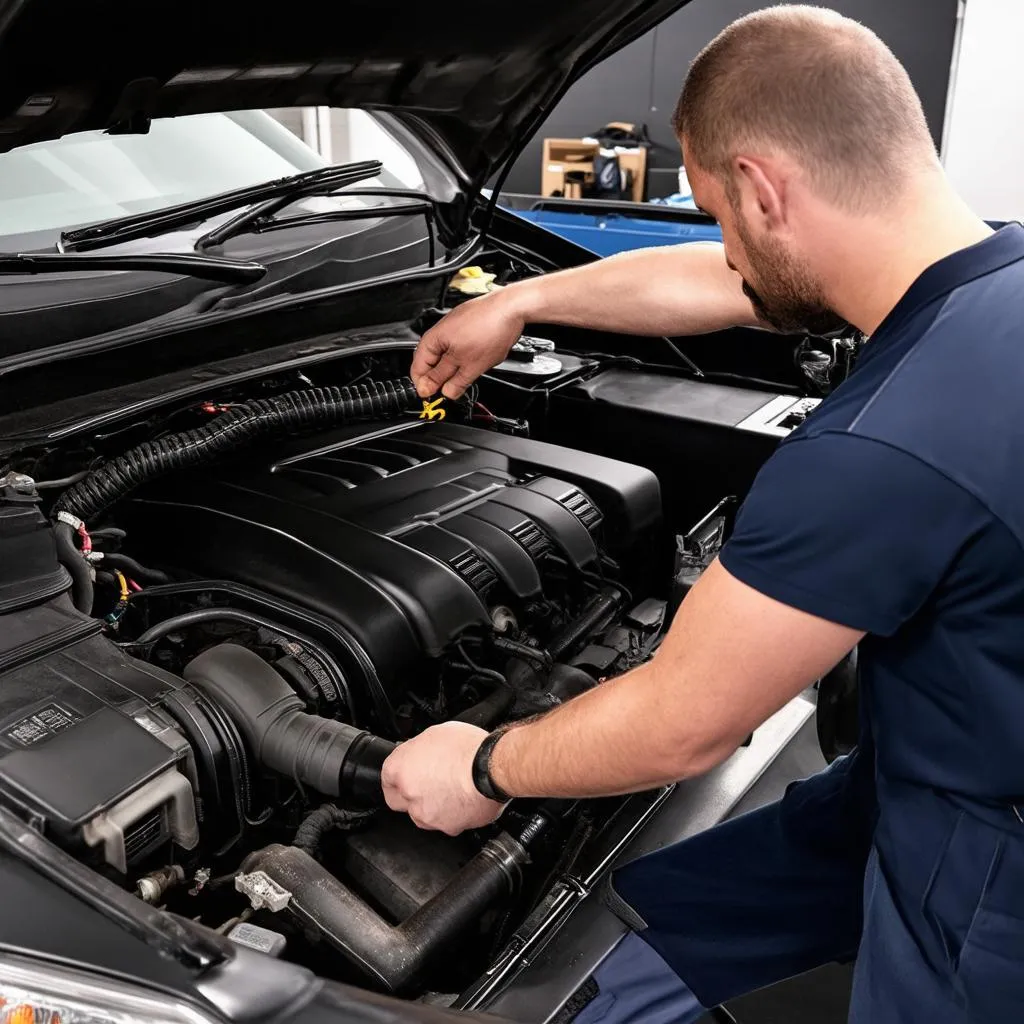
x: 238, y: 425
x: 241, y: 424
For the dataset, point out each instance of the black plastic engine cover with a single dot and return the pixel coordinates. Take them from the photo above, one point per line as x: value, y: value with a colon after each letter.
x: 79, y: 733
x: 405, y: 536
x: 79, y: 729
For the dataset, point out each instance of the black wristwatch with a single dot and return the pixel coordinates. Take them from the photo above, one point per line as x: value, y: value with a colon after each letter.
x: 482, y: 769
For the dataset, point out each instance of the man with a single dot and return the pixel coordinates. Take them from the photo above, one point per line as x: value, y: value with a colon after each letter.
x: 893, y: 518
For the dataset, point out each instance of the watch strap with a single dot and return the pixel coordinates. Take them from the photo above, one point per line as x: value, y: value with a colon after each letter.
x: 482, y: 769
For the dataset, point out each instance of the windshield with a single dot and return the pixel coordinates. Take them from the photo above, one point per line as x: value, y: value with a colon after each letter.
x: 92, y: 176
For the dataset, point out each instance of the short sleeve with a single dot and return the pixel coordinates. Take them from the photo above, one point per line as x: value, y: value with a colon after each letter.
x: 851, y: 530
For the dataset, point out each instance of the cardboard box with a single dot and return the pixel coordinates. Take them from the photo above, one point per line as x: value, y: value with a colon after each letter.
x: 562, y: 157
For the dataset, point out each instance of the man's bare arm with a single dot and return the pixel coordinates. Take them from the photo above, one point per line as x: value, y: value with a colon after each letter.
x: 674, y: 290
x: 732, y: 658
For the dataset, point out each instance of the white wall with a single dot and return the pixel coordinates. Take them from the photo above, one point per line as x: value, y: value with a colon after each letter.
x: 341, y: 135
x: 984, y: 143
x: 368, y: 141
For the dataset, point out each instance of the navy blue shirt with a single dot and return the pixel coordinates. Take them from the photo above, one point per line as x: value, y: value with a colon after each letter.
x: 898, y: 508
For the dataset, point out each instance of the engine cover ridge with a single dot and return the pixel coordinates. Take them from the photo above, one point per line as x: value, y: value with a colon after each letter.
x: 406, y: 536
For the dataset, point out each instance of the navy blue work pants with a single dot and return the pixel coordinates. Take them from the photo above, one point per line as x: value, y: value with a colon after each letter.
x: 928, y: 898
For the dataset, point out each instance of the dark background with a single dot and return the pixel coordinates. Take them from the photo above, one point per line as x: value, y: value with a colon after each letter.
x: 641, y: 83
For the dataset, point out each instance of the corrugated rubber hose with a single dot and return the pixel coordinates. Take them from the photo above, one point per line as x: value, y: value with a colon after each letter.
x: 246, y: 422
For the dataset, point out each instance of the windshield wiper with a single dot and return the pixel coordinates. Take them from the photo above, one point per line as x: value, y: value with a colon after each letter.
x: 143, y: 225
x: 209, y: 267
x: 261, y: 217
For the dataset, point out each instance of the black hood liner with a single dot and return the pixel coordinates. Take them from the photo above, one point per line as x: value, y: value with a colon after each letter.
x: 471, y: 80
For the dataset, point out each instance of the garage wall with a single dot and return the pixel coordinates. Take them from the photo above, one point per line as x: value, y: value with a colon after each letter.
x: 984, y: 152
x: 645, y: 78
x: 342, y: 135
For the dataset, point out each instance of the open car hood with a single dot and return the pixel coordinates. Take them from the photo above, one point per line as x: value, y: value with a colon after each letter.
x: 473, y: 81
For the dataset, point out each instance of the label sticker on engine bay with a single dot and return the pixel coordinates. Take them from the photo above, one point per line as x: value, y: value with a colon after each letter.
x: 43, y: 723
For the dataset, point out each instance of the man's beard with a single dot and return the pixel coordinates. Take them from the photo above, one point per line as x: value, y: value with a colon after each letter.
x: 790, y: 299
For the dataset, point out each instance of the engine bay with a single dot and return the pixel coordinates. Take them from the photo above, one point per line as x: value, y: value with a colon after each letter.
x: 223, y: 611
x: 213, y: 639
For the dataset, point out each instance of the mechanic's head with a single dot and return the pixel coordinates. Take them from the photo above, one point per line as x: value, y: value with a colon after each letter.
x: 794, y: 122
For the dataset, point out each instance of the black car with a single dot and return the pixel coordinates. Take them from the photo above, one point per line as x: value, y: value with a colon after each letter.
x: 240, y: 559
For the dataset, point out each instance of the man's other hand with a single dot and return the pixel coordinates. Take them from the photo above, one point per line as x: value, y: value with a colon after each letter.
x: 430, y: 777
x: 470, y: 340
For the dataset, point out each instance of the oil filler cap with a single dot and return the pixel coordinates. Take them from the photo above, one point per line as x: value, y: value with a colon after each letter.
x: 531, y: 357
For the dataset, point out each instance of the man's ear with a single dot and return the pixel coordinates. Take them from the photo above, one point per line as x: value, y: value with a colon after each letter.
x: 762, y: 192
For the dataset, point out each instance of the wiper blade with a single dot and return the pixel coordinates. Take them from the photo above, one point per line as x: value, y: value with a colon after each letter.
x: 257, y: 218
x: 143, y: 225
x: 209, y: 267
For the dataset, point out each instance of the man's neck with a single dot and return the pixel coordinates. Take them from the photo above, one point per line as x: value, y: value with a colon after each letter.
x: 884, y: 256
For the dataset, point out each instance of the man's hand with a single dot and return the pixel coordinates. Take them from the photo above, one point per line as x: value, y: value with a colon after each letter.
x: 430, y: 777
x: 470, y: 340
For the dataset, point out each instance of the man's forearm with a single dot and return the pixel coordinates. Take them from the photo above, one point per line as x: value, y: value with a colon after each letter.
x: 680, y: 290
x: 711, y: 684
x: 624, y: 736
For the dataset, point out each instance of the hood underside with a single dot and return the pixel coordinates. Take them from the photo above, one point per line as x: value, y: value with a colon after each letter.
x: 473, y: 82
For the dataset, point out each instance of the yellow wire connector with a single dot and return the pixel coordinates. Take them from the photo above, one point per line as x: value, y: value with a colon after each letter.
x: 431, y: 410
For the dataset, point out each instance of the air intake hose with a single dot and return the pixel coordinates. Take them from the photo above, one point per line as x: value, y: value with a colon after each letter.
x: 330, y: 757
x: 295, y: 410
x: 394, y: 955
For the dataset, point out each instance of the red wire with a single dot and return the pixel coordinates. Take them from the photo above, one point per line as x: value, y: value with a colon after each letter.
x: 86, y: 539
x: 134, y: 585
x: 487, y: 412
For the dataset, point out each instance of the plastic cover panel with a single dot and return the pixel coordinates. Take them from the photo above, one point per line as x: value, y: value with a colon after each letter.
x: 405, y: 536
x: 69, y: 744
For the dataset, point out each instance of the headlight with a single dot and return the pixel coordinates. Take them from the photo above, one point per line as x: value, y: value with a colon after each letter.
x: 37, y: 993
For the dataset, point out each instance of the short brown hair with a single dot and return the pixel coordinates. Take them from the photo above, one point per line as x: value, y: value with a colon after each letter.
x: 816, y: 85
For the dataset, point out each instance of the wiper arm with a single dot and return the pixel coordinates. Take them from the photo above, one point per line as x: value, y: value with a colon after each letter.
x: 260, y: 218
x: 143, y: 225
x: 257, y: 217
x: 208, y: 267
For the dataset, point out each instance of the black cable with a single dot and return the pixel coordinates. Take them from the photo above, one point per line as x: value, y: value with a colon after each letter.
x: 786, y: 389
x: 221, y: 880
x: 243, y: 423
x: 604, y: 581
x: 132, y: 568
x: 510, y: 384
x: 487, y: 673
x: 108, y: 532
x: 326, y: 818
x: 708, y: 376
x: 684, y: 358
x: 71, y: 558
x: 64, y: 481
x: 537, y: 656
